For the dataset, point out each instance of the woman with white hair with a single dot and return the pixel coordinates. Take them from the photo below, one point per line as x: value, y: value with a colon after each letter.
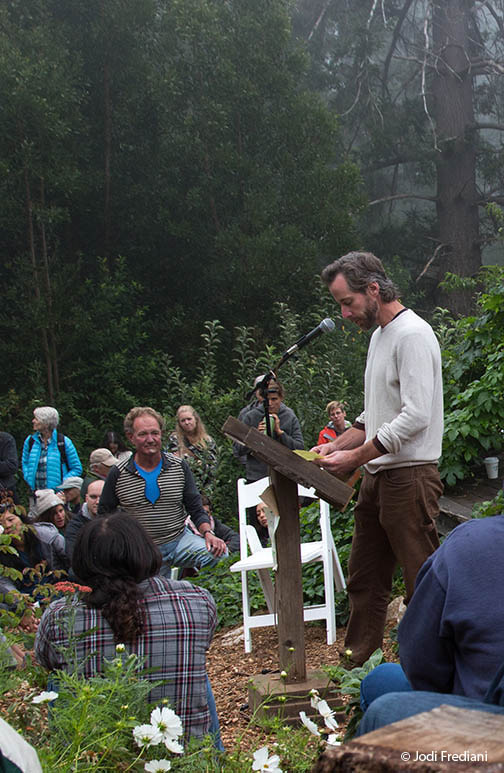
x: 48, y: 456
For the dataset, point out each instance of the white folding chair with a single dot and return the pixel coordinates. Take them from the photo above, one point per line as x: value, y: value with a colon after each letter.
x: 260, y: 560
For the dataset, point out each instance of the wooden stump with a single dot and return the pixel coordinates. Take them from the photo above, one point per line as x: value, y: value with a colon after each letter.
x: 444, y: 740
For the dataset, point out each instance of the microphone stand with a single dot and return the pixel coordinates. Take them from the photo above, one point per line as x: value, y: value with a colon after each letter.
x: 263, y: 389
x: 264, y: 384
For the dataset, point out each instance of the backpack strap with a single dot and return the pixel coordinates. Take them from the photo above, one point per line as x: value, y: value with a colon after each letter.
x: 62, y: 450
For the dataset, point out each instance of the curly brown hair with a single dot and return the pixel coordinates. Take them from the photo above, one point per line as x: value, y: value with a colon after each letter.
x: 134, y: 413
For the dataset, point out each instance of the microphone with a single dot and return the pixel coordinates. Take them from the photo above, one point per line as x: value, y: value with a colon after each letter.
x: 326, y: 326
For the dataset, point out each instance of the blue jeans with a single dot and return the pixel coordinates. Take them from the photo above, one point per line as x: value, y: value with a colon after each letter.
x: 214, y: 728
x: 395, y: 706
x: 186, y: 550
x: 385, y: 678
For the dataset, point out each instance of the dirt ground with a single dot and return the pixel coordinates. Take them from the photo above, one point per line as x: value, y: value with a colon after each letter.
x: 230, y: 669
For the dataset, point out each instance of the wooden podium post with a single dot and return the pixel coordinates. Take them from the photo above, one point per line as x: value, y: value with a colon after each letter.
x: 289, y: 580
x: 288, y: 469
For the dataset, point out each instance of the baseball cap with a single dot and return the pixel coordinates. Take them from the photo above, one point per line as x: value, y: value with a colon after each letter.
x: 73, y: 482
x: 102, y: 456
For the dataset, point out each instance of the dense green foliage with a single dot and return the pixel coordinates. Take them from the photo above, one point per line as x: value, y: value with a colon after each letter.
x: 473, y: 357
x: 163, y: 133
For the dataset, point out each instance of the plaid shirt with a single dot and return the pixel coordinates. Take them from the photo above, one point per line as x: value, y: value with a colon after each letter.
x: 41, y: 474
x: 180, y: 620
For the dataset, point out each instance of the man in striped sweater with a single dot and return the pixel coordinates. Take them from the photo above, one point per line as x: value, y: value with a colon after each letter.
x: 159, y: 490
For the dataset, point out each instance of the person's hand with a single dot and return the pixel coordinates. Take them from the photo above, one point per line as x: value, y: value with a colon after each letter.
x: 18, y: 654
x: 322, y: 450
x: 29, y: 622
x: 276, y: 429
x: 215, y: 545
x: 338, y: 462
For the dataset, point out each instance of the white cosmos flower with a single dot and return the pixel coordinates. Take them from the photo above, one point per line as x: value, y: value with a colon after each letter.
x: 157, y: 766
x: 331, y: 723
x: 147, y: 735
x: 167, y: 722
x: 45, y: 697
x: 333, y: 740
x: 173, y: 746
x: 327, y: 713
x: 314, y: 700
x: 263, y: 762
x: 312, y: 727
x: 324, y: 709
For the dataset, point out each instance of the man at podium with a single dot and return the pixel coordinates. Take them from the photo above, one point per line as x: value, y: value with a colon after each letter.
x: 398, y: 440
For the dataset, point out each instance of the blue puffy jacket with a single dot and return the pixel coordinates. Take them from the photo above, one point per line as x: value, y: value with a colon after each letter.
x: 55, y: 469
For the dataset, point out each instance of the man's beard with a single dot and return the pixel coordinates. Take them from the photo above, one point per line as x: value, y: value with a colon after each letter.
x: 370, y: 317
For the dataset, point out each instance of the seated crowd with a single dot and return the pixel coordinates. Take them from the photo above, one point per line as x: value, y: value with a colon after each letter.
x: 119, y: 528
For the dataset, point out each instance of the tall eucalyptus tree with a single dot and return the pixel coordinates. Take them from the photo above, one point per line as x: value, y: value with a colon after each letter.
x: 418, y: 86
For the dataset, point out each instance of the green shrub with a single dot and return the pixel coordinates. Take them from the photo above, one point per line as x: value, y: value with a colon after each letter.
x: 473, y: 372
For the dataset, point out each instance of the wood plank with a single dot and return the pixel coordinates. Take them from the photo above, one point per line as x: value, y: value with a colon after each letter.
x: 289, y: 464
x: 289, y: 581
x: 444, y: 728
x: 446, y: 738
x: 453, y: 507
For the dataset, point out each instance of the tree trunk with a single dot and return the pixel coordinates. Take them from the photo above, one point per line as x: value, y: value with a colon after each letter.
x: 48, y: 290
x: 36, y: 285
x: 107, y: 107
x: 452, y: 87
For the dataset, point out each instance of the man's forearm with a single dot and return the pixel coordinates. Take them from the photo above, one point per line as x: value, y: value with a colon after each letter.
x: 351, y: 438
x: 364, y: 453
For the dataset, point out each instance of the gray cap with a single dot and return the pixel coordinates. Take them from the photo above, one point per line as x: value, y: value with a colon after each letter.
x: 74, y: 482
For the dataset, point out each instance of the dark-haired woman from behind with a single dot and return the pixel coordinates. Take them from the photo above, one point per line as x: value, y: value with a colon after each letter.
x: 168, y: 623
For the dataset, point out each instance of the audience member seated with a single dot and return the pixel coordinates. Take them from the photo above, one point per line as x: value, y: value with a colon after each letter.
x: 169, y: 623
x: 71, y: 488
x: 451, y: 638
x: 191, y: 442
x: 49, y: 457
x: 225, y: 533
x: 16, y: 754
x: 116, y: 445
x: 262, y: 523
x: 158, y: 489
x: 9, y: 464
x: 50, y: 509
x: 88, y: 511
x: 34, y: 543
x: 287, y: 431
x: 336, y: 425
x: 394, y: 706
x: 101, y: 461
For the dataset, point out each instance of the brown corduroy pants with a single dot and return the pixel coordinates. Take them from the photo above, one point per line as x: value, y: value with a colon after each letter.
x: 394, y: 525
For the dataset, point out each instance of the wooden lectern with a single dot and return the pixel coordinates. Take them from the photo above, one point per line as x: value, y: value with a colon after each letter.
x: 287, y: 470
